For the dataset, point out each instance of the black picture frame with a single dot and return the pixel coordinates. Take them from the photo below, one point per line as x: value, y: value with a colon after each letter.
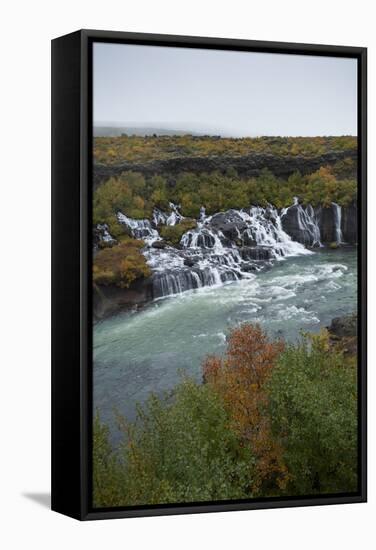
x: 71, y: 271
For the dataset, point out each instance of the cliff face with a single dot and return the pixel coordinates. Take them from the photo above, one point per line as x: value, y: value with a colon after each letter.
x: 246, y: 165
x: 316, y: 226
x: 108, y: 300
x: 326, y: 219
x: 301, y: 225
x: 349, y: 224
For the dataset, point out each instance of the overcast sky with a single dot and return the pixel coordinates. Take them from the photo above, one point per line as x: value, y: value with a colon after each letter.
x: 222, y: 92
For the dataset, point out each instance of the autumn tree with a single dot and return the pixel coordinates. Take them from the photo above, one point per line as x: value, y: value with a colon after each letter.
x: 240, y: 379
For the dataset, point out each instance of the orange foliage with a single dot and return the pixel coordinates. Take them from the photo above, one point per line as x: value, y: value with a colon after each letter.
x: 239, y: 378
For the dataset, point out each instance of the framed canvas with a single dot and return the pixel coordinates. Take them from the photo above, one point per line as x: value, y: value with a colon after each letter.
x: 208, y: 274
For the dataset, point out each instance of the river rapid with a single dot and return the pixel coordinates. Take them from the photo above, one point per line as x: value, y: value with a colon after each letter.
x: 136, y: 353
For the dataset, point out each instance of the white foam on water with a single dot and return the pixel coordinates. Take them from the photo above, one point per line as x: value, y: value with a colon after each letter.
x: 290, y: 312
x: 205, y: 257
x: 140, y: 229
x: 105, y: 235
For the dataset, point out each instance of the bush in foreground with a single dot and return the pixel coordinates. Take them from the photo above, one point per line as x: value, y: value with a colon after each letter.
x: 178, y: 451
x: 270, y: 420
x: 313, y: 408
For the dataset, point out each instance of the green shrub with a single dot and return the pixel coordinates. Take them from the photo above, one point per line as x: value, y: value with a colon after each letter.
x: 120, y: 265
x: 123, y: 193
x: 136, y: 197
x: 173, y: 233
x: 180, y: 450
x: 313, y: 406
x: 107, y: 471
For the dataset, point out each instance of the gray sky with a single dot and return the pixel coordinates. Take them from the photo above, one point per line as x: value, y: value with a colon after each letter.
x: 229, y: 93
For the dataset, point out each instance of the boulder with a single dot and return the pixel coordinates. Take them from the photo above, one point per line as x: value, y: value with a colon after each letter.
x: 159, y: 244
x: 230, y: 223
x: 343, y: 333
x: 189, y: 262
x: 344, y: 327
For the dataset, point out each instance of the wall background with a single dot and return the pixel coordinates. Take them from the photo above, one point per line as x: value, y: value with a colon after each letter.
x: 25, y: 258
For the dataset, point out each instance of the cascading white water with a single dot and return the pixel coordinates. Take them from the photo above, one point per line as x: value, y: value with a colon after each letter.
x: 265, y: 228
x: 104, y: 233
x: 140, y: 229
x: 225, y: 247
x: 207, y: 257
x: 337, y: 222
x: 202, y: 237
x: 159, y: 217
x: 163, y: 218
x: 202, y: 213
x: 175, y: 216
x: 305, y: 223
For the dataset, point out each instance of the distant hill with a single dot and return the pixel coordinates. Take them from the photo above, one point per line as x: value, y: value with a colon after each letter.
x: 115, y: 131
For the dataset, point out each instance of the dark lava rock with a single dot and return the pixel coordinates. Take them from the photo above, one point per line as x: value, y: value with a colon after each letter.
x: 189, y: 262
x: 245, y: 165
x: 349, y: 223
x: 247, y: 240
x: 159, y: 244
x: 343, y: 333
x: 230, y: 223
x: 326, y: 222
x: 249, y: 267
x: 291, y: 225
x: 255, y: 253
x: 346, y: 326
x: 108, y: 300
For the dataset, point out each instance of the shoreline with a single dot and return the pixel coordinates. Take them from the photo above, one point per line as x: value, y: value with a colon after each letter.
x: 123, y: 300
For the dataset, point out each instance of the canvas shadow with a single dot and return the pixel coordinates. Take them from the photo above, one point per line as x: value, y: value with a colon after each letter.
x: 43, y: 499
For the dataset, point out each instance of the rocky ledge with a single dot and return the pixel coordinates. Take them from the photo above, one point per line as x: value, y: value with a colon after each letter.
x: 245, y: 165
x: 326, y: 225
x: 108, y: 300
x: 343, y: 332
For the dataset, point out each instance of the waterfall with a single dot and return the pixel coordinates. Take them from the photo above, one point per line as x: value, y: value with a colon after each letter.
x: 202, y: 237
x: 175, y: 216
x: 223, y: 248
x: 159, y: 217
x: 302, y: 224
x: 104, y: 234
x: 265, y: 228
x: 337, y: 210
x: 164, y: 218
x: 139, y: 229
x: 309, y: 222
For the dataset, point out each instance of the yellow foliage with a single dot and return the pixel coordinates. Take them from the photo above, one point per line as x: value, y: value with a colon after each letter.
x: 120, y: 265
